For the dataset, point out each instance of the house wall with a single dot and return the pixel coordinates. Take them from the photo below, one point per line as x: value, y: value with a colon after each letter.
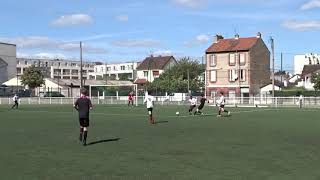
x: 3, y: 72
x: 8, y: 54
x: 259, y: 67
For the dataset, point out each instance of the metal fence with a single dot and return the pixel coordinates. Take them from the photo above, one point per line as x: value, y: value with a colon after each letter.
x: 163, y: 100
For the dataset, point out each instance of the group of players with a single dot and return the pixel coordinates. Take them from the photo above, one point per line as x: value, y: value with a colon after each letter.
x: 83, y: 105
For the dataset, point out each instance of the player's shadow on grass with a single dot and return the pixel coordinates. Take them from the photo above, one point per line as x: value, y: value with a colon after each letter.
x: 160, y: 122
x: 103, y: 141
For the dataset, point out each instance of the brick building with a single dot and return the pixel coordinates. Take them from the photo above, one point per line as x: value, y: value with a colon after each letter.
x: 237, y: 66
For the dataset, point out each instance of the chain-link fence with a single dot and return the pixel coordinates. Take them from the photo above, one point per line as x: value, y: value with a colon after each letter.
x: 165, y: 100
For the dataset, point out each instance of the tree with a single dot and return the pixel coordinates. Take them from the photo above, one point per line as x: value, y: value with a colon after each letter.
x: 176, y: 78
x: 32, y: 77
x: 315, y: 78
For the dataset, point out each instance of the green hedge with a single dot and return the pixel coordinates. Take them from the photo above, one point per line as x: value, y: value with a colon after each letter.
x: 296, y: 93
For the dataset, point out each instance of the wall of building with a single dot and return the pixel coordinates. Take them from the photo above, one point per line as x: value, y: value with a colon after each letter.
x: 8, y: 54
x: 306, y: 59
x: 259, y: 67
x: 3, y: 72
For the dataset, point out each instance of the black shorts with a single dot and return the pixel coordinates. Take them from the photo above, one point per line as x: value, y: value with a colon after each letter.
x: 200, y: 107
x: 150, y: 110
x: 84, y: 122
x: 221, y: 106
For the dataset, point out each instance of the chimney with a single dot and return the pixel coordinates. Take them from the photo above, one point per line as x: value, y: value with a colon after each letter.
x: 259, y: 35
x: 236, y: 36
x: 217, y: 38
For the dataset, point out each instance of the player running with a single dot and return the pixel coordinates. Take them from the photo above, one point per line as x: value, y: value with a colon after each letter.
x: 83, y: 106
x: 221, y: 102
x: 193, y: 104
x: 200, y: 107
x: 16, y: 101
x: 149, y: 100
x: 130, y: 98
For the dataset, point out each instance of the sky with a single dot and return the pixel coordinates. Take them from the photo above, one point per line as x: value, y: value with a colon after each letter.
x: 130, y: 30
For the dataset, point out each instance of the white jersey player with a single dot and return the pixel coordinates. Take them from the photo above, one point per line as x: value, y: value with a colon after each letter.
x: 221, y: 102
x: 149, y: 100
x: 193, y: 104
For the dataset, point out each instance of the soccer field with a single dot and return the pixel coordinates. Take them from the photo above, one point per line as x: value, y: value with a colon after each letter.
x: 41, y: 143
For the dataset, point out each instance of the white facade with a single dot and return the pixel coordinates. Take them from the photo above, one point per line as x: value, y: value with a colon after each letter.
x: 152, y: 74
x: 307, y: 59
x: 56, y: 68
x: 3, y: 71
x: 306, y: 83
x: 8, y: 54
x: 265, y: 91
x: 114, y: 70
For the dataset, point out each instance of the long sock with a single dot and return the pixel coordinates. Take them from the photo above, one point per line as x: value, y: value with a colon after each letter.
x: 226, y: 111
x: 81, y: 134
x: 219, y: 112
x: 85, y: 134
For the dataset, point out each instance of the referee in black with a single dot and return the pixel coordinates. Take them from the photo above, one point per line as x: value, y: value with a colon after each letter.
x: 83, y: 106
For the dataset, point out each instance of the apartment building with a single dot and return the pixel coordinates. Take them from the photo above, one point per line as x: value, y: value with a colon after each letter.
x: 56, y: 68
x: 7, y: 61
x: 117, y: 71
x: 238, y: 67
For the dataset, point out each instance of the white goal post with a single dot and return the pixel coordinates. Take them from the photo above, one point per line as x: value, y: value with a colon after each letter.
x: 133, y: 86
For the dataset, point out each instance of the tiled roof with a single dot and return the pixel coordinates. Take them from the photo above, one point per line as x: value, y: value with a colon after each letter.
x: 232, y: 45
x: 308, y: 69
x: 140, y: 81
x: 154, y: 62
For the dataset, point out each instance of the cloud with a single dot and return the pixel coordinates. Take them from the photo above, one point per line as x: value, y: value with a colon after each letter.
x: 200, y: 39
x: 203, y: 38
x: 136, y: 43
x: 306, y: 25
x: 163, y: 53
x: 122, y: 18
x: 49, y: 56
x: 311, y: 5
x: 190, y: 3
x: 42, y: 55
x: 72, y: 20
x: 46, y: 43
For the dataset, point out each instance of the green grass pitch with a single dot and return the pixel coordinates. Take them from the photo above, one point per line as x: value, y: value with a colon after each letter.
x: 41, y: 143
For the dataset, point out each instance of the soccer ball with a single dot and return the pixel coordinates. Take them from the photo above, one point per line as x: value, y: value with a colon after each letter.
x: 177, y: 113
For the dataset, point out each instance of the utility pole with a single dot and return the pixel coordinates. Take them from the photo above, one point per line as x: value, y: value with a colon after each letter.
x: 81, y: 78
x: 188, y: 81
x: 272, y: 49
x: 281, y: 68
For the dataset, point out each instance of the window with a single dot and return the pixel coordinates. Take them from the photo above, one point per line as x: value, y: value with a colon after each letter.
x: 213, y: 60
x: 242, y: 59
x: 232, y: 94
x: 232, y: 59
x: 156, y: 73
x: 213, y: 76
x: 26, y: 62
x: 114, y: 68
x: 213, y: 94
x: 243, y: 75
x: 108, y: 68
x: 46, y: 64
x: 145, y: 74
x: 233, y: 76
x: 123, y: 68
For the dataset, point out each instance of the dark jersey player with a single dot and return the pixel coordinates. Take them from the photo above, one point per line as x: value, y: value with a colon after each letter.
x: 200, y: 107
x: 83, y: 106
